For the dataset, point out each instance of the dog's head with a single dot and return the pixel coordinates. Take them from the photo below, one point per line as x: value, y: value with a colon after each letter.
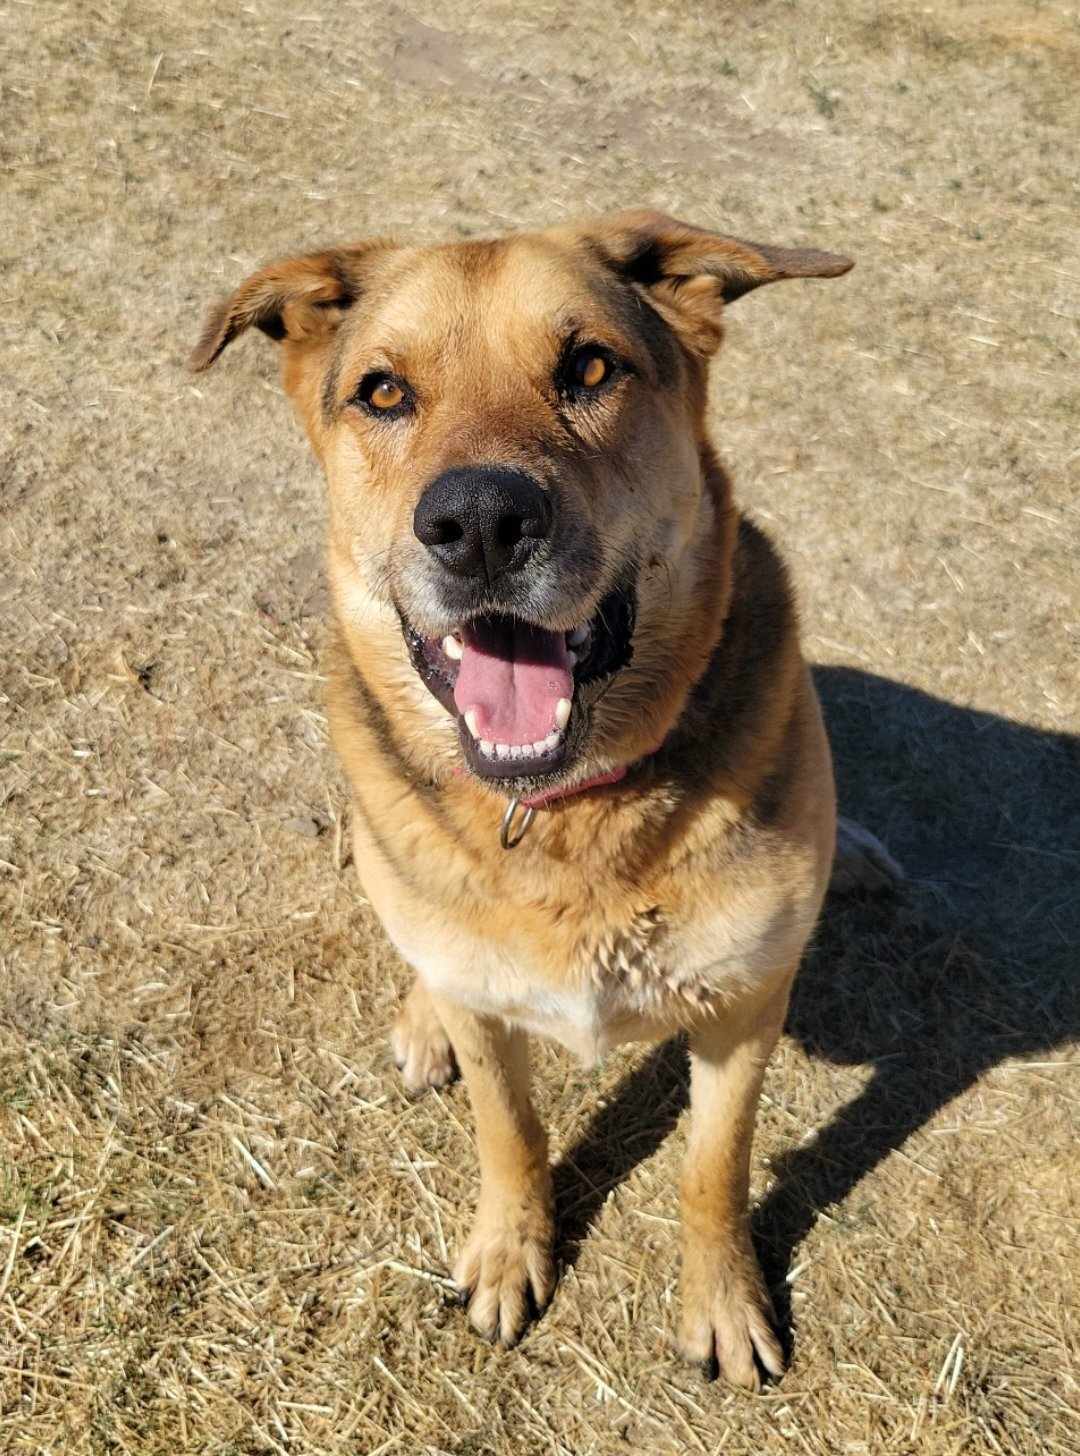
x: 520, y: 488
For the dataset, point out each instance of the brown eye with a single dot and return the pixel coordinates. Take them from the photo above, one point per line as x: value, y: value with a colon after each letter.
x: 590, y: 369
x: 383, y: 393
x: 386, y: 395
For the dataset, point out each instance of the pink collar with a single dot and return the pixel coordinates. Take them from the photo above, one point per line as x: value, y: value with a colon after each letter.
x: 510, y: 836
x: 548, y: 796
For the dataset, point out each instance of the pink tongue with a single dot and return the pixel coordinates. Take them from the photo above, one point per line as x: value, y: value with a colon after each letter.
x: 512, y: 676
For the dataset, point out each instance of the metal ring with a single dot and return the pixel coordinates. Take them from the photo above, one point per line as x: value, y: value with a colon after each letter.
x: 508, y: 840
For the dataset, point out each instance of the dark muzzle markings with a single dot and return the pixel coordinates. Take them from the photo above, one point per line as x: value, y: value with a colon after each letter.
x: 510, y: 681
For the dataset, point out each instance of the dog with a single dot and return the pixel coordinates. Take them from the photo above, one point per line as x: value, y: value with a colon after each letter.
x: 592, y: 790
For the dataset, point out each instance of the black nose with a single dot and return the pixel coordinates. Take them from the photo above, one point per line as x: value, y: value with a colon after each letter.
x: 482, y: 520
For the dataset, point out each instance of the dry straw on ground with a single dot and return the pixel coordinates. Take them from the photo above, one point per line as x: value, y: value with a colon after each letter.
x: 222, y: 1226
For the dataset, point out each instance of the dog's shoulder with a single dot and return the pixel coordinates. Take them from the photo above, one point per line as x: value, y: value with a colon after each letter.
x: 750, y: 756
x: 760, y: 631
x: 742, y: 704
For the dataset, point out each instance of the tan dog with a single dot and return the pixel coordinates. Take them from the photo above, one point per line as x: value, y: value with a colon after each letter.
x: 544, y: 597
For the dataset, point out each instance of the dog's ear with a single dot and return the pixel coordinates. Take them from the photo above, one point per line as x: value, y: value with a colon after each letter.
x: 301, y: 298
x: 690, y: 273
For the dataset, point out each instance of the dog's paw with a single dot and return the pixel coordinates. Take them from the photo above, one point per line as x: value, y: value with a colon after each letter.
x: 727, y: 1320
x: 861, y: 861
x: 421, y: 1048
x: 506, y: 1272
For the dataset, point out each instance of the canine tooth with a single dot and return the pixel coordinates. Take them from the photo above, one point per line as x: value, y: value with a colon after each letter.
x: 472, y: 723
x: 486, y: 747
x: 539, y: 745
x: 572, y: 659
x: 578, y: 635
x: 452, y: 647
x: 502, y: 750
x: 552, y: 741
x: 562, y: 712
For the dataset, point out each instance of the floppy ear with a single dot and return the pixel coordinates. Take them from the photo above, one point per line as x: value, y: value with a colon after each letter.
x: 690, y: 273
x: 299, y: 298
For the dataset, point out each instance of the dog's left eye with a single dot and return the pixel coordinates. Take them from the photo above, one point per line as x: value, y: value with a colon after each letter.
x: 587, y: 369
x: 590, y: 370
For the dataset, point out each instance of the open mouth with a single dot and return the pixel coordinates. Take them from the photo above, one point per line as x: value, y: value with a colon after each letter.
x: 514, y: 687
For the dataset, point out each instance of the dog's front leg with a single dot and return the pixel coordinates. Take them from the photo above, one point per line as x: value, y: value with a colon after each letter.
x: 727, y: 1316
x: 507, y: 1261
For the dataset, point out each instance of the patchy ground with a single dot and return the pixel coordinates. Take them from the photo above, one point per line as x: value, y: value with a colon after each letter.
x: 222, y: 1226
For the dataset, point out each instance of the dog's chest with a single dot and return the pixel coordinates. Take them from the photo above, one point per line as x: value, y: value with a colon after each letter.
x: 640, y: 980
x: 637, y: 968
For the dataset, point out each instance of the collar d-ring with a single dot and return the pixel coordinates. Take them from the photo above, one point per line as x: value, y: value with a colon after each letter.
x: 508, y: 838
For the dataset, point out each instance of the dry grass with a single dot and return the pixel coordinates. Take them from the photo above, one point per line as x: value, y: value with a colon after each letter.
x: 222, y: 1226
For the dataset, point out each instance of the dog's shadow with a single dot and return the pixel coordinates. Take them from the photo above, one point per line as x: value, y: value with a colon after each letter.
x: 971, y: 960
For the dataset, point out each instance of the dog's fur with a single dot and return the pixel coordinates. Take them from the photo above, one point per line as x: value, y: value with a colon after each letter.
x: 678, y: 898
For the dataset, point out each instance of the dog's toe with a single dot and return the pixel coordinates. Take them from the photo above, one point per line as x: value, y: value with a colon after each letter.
x: 726, y: 1328
x: 507, y: 1275
x: 421, y: 1048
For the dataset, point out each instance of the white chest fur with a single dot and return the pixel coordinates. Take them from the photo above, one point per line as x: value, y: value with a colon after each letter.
x: 643, y: 981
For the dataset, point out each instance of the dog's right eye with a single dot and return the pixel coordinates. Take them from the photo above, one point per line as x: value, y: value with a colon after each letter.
x: 383, y: 394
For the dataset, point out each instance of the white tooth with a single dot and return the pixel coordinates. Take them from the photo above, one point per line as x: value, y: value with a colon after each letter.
x: 486, y: 747
x: 539, y: 745
x: 578, y: 635
x: 552, y: 741
x: 515, y: 750
x: 562, y: 712
x: 503, y: 750
x: 453, y: 648
x: 572, y: 659
x: 472, y: 723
